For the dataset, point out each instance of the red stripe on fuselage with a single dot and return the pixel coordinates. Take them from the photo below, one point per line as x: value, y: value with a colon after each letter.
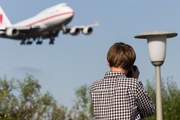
x: 50, y: 17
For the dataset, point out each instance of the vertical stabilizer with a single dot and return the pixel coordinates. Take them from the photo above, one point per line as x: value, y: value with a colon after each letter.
x: 4, y: 21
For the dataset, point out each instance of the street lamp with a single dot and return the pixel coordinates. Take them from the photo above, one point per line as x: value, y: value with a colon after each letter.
x: 157, y: 51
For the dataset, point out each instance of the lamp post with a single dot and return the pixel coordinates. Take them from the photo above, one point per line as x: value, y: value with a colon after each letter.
x: 156, y: 41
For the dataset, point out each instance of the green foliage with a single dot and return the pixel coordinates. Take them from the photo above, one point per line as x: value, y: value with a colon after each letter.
x: 23, y: 100
x: 83, y: 108
x: 29, y: 103
x: 170, y: 99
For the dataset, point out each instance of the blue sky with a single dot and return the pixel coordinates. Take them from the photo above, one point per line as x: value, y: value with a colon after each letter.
x: 76, y: 60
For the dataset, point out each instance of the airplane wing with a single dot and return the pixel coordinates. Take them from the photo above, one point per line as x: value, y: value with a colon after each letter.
x: 75, y: 30
x: 2, y: 28
x: 13, y: 31
x: 28, y: 27
x: 83, y: 26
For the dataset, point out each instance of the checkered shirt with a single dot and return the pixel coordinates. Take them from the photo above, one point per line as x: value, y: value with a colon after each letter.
x: 117, y: 97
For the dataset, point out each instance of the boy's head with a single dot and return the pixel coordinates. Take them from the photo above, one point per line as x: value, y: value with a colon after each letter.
x: 121, y: 55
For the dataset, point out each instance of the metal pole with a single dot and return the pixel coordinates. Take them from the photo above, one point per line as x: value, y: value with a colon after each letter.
x: 158, y: 94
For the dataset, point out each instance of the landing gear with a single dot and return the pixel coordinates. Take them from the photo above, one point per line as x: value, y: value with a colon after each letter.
x: 29, y: 43
x: 38, y: 42
x: 51, y: 42
x: 23, y: 42
x: 34, y: 38
x: 52, y: 35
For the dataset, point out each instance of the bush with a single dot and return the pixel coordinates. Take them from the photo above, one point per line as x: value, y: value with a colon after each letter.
x: 29, y: 104
x: 170, y: 98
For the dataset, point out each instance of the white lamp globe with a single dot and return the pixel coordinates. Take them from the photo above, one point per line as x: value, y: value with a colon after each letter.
x: 157, y: 48
x: 156, y: 44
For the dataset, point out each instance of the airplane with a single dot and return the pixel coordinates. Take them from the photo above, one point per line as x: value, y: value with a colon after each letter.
x: 46, y: 24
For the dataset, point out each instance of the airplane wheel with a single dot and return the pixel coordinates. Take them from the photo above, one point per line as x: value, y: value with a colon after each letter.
x: 22, y: 43
x: 39, y: 42
x: 51, y: 42
x: 29, y: 43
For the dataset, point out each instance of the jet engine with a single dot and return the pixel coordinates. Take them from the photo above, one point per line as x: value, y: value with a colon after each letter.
x: 74, y: 31
x: 87, y: 30
x: 12, y: 32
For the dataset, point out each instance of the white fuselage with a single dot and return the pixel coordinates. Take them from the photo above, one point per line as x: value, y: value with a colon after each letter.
x: 50, y: 19
x: 45, y: 25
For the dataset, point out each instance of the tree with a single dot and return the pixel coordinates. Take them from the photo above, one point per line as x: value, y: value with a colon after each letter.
x: 29, y: 103
x: 170, y: 98
x: 23, y: 100
x: 83, y: 108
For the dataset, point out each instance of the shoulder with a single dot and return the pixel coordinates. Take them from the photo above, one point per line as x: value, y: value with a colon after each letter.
x: 128, y: 82
x: 123, y: 82
x: 96, y: 85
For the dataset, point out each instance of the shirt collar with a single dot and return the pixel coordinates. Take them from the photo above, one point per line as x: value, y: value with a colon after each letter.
x: 114, y: 74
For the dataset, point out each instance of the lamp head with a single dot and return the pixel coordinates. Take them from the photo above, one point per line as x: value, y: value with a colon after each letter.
x: 156, y: 41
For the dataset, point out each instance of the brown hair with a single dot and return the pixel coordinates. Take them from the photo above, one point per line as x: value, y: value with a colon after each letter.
x: 121, y: 55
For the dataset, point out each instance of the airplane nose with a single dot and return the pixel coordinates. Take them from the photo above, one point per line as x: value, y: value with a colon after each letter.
x: 68, y: 10
x: 72, y: 13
